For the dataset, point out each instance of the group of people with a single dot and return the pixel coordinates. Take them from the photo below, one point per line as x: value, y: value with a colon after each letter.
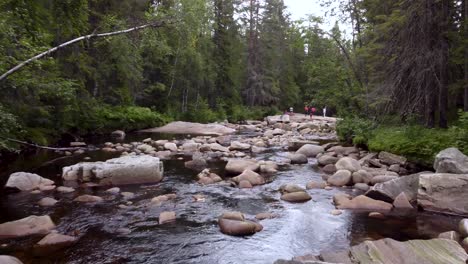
x: 310, y: 110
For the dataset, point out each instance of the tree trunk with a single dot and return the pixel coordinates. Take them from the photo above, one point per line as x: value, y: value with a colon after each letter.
x: 465, y: 25
x: 444, y: 61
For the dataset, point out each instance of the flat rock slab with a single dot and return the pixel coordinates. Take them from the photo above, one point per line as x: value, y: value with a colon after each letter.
x: 192, y: 128
x: 389, y: 251
x: 31, y: 225
x: 9, y: 260
x: 118, y: 171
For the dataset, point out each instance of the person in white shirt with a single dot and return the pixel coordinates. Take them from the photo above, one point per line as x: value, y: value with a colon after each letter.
x: 325, y: 111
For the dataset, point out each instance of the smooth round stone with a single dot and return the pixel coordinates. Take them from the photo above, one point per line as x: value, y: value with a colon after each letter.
x: 47, y: 202
x: 336, y: 212
x: 361, y: 186
x: 114, y: 190
x: 328, y: 188
x: 64, y: 189
x: 463, y: 227
x: 296, y: 197
x: 376, y: 215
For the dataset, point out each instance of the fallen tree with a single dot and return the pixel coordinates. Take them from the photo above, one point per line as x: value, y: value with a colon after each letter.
x: 86, y: 37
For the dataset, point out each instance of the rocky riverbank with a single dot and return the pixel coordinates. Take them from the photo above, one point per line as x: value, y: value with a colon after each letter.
x: 382, y: 184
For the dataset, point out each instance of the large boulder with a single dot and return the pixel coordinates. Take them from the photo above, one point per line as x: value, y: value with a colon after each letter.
x: 347, y: 163
x: 237, y: 166
x: 451, y: 160
x: 24, y: 181
x: 197, y: 164
x: 118, y: 171
x: 310, y: 150
x: 390, y: 159
x: 434, y: 251
x: 340, y: 178
x: 444, y: 193
x: 31, y: 225
x: 389, y: 190
x: 365, y: 203
x: 180, y: 127
x: 346, y: 151
x: 463, y: 227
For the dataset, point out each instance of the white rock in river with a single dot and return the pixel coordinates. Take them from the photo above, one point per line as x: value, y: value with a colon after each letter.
x: 118, y: 171
x: 47, y: 201
x: 31, y: 225
x: 52, y: 243
x: 24, y: 181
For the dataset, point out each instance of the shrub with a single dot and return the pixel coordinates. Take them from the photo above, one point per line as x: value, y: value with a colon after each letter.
x: 355, y: 130
x: 9, y: 128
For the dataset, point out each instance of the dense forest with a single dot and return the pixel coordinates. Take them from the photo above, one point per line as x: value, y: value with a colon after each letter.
x: 404, y: 61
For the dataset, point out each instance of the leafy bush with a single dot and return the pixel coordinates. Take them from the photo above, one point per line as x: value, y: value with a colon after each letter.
x: 355, y: 130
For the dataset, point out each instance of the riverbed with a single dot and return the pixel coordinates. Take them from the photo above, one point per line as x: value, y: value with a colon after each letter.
x: 127, y: 231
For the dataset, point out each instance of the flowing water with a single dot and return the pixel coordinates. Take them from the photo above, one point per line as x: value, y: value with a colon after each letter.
x: 299, y: 229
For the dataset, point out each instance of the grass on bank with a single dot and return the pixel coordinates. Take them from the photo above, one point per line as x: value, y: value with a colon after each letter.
x: 419, y: 144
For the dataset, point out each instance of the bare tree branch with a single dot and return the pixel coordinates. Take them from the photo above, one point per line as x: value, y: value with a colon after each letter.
x: 87, y: 37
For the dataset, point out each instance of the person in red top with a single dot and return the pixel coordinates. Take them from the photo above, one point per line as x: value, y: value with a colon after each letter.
x: 306, y: 110
x: 312, y: 111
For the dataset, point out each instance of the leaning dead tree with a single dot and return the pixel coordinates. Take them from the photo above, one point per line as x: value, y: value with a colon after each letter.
x: 86, y: 37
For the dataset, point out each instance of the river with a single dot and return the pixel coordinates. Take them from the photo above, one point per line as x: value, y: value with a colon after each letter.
x: 299, y: 229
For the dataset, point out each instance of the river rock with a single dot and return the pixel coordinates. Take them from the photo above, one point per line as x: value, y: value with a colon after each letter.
x: 32, y: 225
x: 118, y: 134
x: 329, y: 169
x: 349, y: 164
x: 237, y: 166
x: 345, y: 151
x: 388, y: 191
x: 268, y: 167
x: 316, y: 185
x: 297, y: 158
x: 390, y: 159
x: 341, y: 198
x: 53, y: 242
x: 197, y: 165
x: 250, y: 176
x: 402, y: 202
x: 119, y: 171
x: 382, y: 179
x: 115, y: 190
x: 180, y: 127
x: 463, y: 227
x: 296, y: 197
x: 444, y: 193
x: 167, y: 217
x: 263, y: 216
x: 47, y: 201
x: 452, y: 235
x: 9, y: 260
x: 170, y: 146
x: 158, y: 200
x: 145, y: 148
x: 340, y: 178
x: 190, y: 147
x: 294, y: 145
x: 244, y: 184
x: 327, y: 159
x: 206, y: 177
x: 236, y: 145
x: 310, y: 151
x: 86, y: 198
x: 362, y: 202
x: 361, y: 186
x: 451, y: 160
x: 464, y: 244
x: 218, y: 147
x: 234, y: 224
x: 64, y: 189
x: 24, y: 181
x: 290, y: 188
x: 434, y: 251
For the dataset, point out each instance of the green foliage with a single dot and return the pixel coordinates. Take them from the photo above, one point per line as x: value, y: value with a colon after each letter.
x: 9, y: 128
x: 355, y: 130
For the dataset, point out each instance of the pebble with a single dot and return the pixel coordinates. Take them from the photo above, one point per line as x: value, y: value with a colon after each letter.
x: 336, y: 212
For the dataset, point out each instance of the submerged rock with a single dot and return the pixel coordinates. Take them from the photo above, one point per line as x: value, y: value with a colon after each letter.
x: 237, y: 166
x: 365, y: 203
x: 88, y: 199
x: 24, y: 181
x: 32, y: 225
x: 47, y: 201
x: 53, y: 242
x: 119, y: 171
x: 167, y: 217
